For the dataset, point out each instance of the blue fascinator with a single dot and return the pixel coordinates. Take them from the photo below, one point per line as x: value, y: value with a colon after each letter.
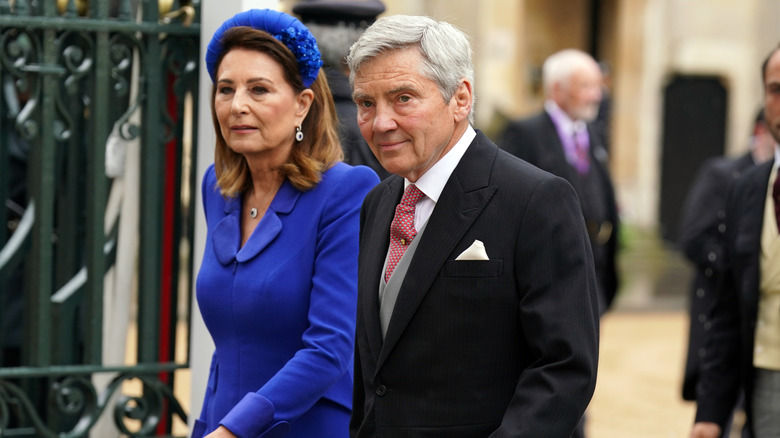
x: 285, y: 28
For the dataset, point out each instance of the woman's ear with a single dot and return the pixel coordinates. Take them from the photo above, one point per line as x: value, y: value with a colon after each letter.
x: 305, y: 99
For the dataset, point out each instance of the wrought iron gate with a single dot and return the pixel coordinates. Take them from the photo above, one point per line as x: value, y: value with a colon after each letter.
x: 96, y: 136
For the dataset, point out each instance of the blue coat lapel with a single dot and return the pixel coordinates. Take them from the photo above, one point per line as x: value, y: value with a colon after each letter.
x: 227, y: 233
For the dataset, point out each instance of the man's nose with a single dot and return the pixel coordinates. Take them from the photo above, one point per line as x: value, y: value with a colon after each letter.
x: 384, y: 119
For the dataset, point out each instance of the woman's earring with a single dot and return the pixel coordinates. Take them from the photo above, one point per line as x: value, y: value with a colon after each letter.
x: 298, y: 133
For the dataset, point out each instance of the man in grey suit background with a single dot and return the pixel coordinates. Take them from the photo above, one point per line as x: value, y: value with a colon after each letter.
x: 477, y: 301
x: 743, y: 343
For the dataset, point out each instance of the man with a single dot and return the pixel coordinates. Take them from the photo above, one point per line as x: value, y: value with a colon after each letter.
x: 337, y: 24
x: 743, y: 345
x: 563, y: 141
x: 477, y: 312
x: 701, y: 237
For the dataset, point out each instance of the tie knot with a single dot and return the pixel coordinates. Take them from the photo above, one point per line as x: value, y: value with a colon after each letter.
x: 412, y: 195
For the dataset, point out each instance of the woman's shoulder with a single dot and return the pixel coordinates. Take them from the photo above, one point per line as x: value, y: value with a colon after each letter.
x: 354, y: 176
x: 209, y: 185
x: 210, y: 175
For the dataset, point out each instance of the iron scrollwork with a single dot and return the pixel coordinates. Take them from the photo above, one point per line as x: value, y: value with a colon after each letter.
x: 134, y: 415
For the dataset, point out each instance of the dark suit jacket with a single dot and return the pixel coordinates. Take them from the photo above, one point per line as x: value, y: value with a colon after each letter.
x: 702, y: 232
x: 535, y: 139
x: 728, y: 365
x: 505, y: 347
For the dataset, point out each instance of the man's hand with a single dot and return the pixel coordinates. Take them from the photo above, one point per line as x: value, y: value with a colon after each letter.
x: 705, y: 430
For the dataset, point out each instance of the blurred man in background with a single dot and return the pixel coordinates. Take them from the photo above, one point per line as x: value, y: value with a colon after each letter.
x: 743, y: 343
x: 702, y: 229
x: 563, y: 140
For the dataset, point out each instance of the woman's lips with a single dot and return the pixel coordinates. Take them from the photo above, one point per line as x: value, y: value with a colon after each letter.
x: 242, y: 128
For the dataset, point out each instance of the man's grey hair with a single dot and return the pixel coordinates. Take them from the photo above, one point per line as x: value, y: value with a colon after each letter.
x: 560, y: 66
x: 445, y: 50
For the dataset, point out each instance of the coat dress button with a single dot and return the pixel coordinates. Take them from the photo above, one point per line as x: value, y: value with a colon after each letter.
x: 381, y: 390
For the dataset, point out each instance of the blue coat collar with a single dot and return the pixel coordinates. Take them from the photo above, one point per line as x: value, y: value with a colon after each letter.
x: 226, y: 237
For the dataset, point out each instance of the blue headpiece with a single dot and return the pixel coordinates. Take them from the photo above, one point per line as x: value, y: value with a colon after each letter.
x: 285, y: 28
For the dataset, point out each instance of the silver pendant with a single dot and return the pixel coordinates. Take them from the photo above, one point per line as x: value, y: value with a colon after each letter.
x: 253, y: 212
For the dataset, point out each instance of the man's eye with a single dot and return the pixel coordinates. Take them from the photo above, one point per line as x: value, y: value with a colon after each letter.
x: 365, y: 104
x: 404, y: 98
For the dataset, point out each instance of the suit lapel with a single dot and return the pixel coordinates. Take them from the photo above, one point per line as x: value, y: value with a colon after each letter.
x: 558, y: 163
x: 750, y: 226
x: 377, y: 238
x: 464, y: 197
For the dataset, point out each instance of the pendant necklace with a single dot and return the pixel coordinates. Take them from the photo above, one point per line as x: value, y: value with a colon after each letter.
x: 253, y: 210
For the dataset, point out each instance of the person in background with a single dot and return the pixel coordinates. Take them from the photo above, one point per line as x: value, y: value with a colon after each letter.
x: 702, y: 229
x: 277, y: 285
x: 743, y: 343
x: 337, y: 24
x: 563, y: 141
x: 477, y: 301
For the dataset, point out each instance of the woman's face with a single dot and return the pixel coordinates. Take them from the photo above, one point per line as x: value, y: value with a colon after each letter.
x: 256, y: 107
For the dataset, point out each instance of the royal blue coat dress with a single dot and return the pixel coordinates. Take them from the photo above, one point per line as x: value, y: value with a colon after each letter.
x: 281, y: 309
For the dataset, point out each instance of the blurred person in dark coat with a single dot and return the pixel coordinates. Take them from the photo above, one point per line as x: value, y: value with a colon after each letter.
x: 563, y: 140
x: 336, y: 25
x: 743, y: 343
x: 702, y: 229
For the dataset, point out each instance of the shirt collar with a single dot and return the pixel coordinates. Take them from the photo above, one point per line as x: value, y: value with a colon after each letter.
x: 433, y: 181
x: 562, y: 119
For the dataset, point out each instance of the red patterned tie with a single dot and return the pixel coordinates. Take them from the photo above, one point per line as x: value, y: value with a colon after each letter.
x: 776, y: 197
x: 402, y: 230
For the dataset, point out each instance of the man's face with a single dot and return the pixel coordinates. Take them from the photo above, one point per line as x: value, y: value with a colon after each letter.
x: 580, y: 96
x: 772, y: 95
x: 403, y: 116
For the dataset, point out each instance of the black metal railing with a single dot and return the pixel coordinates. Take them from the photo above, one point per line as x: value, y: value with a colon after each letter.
x: 96, y: 138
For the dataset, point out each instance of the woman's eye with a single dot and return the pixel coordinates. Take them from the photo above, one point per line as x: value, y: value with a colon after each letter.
x: 259, y: 90
x: 225, y: 90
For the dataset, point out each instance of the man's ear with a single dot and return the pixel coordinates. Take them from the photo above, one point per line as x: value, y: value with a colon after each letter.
x: 463, y: 99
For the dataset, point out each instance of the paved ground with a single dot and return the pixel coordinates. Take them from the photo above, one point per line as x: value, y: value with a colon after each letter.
x: 640, y: 370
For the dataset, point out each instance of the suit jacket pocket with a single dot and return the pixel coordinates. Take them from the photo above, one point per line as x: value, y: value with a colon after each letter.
x: 473, y: 268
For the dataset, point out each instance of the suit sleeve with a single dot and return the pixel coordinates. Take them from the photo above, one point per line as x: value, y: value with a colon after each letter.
x: 700, y: 239
x: 720, y: 380
x: 559, y: 313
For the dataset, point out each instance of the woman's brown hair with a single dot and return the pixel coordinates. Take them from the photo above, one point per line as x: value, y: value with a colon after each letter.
x: 320, y: 147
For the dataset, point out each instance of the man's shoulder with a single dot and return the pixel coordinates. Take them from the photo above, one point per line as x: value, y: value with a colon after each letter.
x: 530, y: 122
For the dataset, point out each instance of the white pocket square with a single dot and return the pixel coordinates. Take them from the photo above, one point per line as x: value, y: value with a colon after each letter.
x: 475, y: 252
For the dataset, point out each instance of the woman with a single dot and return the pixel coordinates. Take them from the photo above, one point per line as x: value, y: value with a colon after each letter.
x: 277, y: 285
